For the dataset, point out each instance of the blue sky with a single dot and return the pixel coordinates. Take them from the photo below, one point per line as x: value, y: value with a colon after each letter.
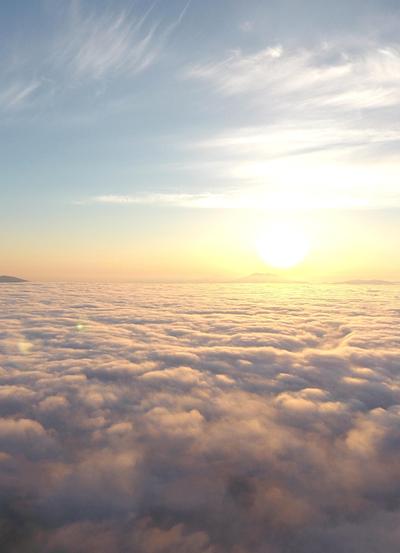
x: 141, y: 111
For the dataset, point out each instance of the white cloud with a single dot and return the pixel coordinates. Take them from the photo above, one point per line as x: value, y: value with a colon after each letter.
x: 206, y: 200
x: 246, y: 26
x: 106, y: 44
x: 275, y: 405
x: 96, y: 46
x: 88, y: 45
x: 367, y: 77
x: 324, y: 130
x: 279, y: 179
x: 17, y: 95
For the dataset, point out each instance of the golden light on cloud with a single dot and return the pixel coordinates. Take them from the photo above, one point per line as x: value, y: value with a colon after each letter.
x: 283, y: 246
x: 24, y: 347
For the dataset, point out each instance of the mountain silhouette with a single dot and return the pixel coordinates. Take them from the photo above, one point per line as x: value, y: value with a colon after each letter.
x: 10, y: 279
x: 367, y: 281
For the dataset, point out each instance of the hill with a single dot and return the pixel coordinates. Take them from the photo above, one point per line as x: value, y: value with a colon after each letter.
x: 372, y: 282
x: 10, y: 279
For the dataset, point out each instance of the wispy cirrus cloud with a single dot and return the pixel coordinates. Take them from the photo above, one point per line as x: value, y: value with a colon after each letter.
x: 294, y: 139
x: 325, y: 122
x: 203, y: 200
x: 88, y: 45
x: 285, y: 192
x: 329, y: 75
x: 292, y: 165
x: 98, y: 45
x: 16, y: 95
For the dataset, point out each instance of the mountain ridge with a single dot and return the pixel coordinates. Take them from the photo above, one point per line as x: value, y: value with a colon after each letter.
x: 6, y: 279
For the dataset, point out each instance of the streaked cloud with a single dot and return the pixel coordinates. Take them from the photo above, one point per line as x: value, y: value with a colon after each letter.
x: 89, y: 45
x: 326, y: 128
x: 111, y: 43
x: 206, y: 200
x: 18, y: 95
x: 108, y: 44
x: 303, y: 181
x: 331, y: 75
x: 292, y: 140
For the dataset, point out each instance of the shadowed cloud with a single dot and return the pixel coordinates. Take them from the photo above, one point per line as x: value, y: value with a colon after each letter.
x: 199, y: 418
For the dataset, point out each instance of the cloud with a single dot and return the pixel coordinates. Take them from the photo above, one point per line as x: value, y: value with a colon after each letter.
x: 205, y: 200
x: 84, y: 47
x: 279, y: 183
x: 246, y: 26
x: 324, y: 126
x: 108, y: 44
x: 332, y: 75
x: 18, y: 95
x: 100, y: 45
x: 322, y: 131
x: 195, y: 418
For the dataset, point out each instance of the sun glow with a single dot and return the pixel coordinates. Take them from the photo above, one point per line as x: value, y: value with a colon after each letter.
x: 283, y: 246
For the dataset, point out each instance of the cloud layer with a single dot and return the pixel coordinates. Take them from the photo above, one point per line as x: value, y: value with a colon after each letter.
x: 199, y: 418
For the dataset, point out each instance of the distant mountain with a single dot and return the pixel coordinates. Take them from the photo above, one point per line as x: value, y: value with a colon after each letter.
x: 372, y: 282
x: 8, y: 279
x: 267, y: 278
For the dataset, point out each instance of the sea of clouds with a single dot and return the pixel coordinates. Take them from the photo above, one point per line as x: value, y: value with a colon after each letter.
x: 198, y: 418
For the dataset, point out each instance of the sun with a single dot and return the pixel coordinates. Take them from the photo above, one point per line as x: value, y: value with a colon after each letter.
x: 283, y: 246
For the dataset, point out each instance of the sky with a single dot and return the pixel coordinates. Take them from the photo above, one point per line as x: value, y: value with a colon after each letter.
x: 164, y: 140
